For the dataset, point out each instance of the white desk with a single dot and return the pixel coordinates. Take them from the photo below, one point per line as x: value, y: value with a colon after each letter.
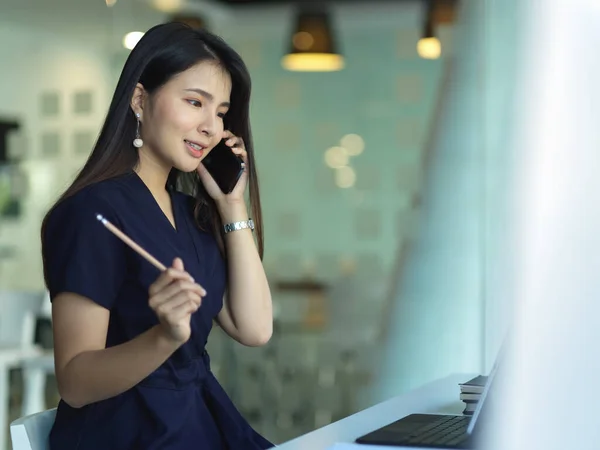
x: 441, y: 396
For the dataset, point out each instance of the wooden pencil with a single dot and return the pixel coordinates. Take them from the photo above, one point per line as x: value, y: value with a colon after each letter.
x: 143, y: 253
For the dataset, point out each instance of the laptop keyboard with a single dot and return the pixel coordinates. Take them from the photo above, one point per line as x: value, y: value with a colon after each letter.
x: 445, y: 431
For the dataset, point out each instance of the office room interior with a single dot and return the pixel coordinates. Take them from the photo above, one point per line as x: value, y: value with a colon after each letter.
x: 399, y: 200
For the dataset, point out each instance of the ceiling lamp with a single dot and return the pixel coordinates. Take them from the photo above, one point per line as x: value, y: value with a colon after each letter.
x: 429, y: 46
x: 313, y: 46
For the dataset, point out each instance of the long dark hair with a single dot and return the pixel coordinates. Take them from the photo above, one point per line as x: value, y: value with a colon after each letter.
x: 163, y: 52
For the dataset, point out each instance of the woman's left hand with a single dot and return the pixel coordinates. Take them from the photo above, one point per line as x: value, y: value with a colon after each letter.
x: 237, y: 195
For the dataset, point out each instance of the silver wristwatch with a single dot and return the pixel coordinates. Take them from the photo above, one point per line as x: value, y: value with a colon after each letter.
x: 235, y: 226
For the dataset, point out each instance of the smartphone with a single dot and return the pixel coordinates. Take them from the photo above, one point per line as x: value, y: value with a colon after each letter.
x: 224, y: 166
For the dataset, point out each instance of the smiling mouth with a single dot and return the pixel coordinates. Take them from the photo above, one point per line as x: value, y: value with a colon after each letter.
x: 195, y: 150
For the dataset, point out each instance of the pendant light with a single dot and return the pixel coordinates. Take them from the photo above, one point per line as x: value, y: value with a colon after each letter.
x: 313, y: 46
x: 429, y: 46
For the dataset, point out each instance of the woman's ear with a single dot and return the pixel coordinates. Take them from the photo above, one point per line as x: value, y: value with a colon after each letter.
x: 138, y: 100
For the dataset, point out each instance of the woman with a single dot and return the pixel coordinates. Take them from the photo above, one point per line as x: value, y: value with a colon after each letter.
x: 131, y: 366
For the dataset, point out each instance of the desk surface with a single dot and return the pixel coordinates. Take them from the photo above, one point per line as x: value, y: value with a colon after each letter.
x: 441, y: 396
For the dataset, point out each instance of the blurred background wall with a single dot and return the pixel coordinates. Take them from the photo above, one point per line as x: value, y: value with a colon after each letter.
x: 453, y: 293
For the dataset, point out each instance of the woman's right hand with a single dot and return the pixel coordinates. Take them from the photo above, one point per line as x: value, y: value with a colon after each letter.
x: 174, y: 297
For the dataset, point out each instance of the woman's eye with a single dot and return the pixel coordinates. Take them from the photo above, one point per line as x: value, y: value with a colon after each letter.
x: 221, y: 115
x: 195, y: 103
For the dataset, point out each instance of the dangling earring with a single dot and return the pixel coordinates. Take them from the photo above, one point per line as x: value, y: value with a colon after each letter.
x: 137, y: 142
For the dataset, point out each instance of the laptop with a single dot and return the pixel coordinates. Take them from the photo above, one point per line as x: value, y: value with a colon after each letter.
x: 437, y: 431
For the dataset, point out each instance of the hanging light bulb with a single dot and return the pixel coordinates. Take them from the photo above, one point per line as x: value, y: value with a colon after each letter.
x: 429, y: 46
x: 313, y: 46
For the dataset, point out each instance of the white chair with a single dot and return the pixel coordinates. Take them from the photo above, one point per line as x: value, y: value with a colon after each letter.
x: 31, y: 432
x: 35, y: 370
x: 17, y: 334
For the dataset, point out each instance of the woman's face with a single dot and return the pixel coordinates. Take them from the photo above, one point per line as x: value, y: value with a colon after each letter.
x: 183, y: 120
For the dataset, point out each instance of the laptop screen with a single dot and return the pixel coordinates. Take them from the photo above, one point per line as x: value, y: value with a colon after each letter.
x: 486, y: 401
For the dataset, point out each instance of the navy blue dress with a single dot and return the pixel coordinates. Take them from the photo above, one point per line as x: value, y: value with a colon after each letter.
x: 181, y: 405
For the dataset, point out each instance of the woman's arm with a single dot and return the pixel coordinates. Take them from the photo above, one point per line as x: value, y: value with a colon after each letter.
x: 247, y: 314
x: 88, y: 372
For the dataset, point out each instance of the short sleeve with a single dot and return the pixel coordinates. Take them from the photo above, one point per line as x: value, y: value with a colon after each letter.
x: 80, y: 255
